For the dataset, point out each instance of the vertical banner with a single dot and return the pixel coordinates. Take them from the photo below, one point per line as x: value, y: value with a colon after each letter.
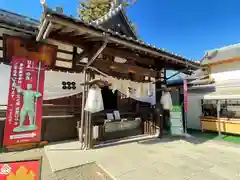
x: 176, y: 120
x: 24, y: 111
x: 185, y: 93
x: 26, y: 170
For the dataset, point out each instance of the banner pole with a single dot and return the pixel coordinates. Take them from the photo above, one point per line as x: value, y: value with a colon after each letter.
x: 218, y: 119
x: 38, y: 78
x: 185, y: 104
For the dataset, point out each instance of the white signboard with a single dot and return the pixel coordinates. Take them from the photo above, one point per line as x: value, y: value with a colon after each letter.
x: 176, y: 120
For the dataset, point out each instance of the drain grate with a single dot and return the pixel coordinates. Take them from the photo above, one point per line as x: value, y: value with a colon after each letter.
x: 89, y: 171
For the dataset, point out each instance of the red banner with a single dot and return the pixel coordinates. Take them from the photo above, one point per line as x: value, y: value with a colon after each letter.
x: 24, y: 111
x: 26, y: 170
x: 185, y: 92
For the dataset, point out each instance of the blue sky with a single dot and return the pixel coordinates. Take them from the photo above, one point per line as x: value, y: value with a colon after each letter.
x: 186, y: 27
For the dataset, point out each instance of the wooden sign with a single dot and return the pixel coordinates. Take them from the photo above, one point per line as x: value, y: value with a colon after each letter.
x: 25, y: 170
x: 24, y: 48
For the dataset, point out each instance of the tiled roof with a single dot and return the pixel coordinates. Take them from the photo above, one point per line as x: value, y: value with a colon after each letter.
x: 18, y: 21
x: 109, y: 15
x: 123, y: 37
x: 114, y: 11
x: 30, y: 24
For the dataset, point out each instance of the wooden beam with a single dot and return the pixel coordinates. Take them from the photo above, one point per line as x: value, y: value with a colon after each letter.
x: 123, y: 53
x: 78, y: 69
x: 124, y: 68
x: 74, y: 59
x: 67, y: 39
x: 68, y: 33
x: 143, y: 61
x: 119, y: 75
x: 97, y: 53
x: 90, y: 38
x: 130, y: 44
x: 66, y: 30
x: 127, y: 54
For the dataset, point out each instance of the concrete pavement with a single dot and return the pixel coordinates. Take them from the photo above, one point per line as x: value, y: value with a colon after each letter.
x: 152, y: 159
x: 85, y: 172
x: 149, y: 159
x: 46, y: 172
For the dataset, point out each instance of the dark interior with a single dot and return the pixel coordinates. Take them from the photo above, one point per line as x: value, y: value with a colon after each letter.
x: 109, y: 98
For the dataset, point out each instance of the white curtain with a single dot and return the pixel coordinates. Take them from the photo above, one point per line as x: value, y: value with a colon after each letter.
x: 144, y: 92
x: 53, y: 87
x: 94, y: 101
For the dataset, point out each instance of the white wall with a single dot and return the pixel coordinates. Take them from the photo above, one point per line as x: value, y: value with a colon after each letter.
x: 194, y: 110
x: 223, y: 72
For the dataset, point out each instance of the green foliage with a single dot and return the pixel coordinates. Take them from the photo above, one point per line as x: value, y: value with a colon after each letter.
x: 126, y: 3
x: 91, y: 10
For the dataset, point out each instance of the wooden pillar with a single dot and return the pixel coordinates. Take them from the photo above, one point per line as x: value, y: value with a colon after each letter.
x: 86, y: 117
x: 152, y: 124
x: 88, y: 121
x: 159, y: 110
x: 90, y: 124
x: 82, y: 122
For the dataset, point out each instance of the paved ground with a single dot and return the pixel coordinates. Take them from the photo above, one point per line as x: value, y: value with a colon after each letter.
x: 46, y: 173
x: 149, y: 159
x: 155, y: 159
x: 89, y: 171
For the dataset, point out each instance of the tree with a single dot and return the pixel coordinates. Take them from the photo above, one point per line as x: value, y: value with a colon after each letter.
x: 91, y: 10
x: 126, y: 3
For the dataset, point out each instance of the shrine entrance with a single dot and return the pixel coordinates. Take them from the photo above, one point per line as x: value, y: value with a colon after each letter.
x: 125, y: 63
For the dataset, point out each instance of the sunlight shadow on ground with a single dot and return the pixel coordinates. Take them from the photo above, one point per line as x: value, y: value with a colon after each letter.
x: 84, y: 172
x: 121, y: 142
x: 170, y: 139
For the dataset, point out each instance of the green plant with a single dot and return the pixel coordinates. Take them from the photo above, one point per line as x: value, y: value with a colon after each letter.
x: 91, y: 10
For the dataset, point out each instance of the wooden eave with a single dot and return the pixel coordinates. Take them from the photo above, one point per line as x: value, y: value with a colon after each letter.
x: 142, y: 58
x: 19, y: 23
